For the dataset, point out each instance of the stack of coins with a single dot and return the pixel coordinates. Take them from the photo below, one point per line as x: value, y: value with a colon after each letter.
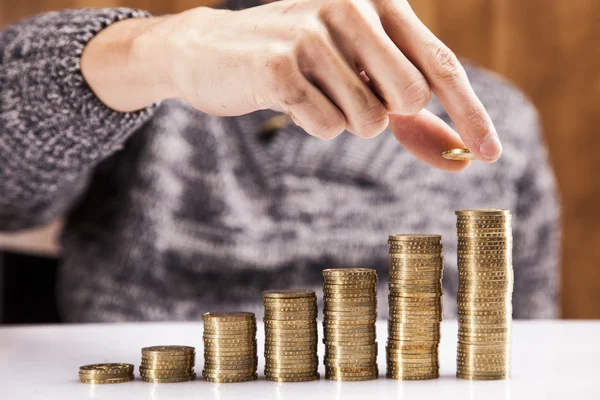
x: 350, y: 312
x: 484, y: 294
x: 291, y: 335
x: 415, y: 306
x: 229, y: 347
x: 168, y: 364
x: 106, y: 373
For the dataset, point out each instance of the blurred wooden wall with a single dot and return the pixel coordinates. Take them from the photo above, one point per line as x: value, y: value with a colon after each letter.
x: 551, y: 49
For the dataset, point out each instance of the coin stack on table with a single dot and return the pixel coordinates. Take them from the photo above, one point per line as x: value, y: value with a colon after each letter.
x: 291, y: 335
x: 484, y: 294
x: 415, y: 306
x: 106, y: 373
x: 168, y: 364
x: 350, y: 312
x: 229, y: 347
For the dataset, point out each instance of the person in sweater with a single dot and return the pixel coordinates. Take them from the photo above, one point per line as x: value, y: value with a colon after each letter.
x: 146, y: 134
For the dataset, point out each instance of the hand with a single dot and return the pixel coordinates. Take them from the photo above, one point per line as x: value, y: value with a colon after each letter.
x: 331, y: 65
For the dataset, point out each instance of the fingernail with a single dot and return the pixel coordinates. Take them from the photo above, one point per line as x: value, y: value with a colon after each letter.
x: 490, y: 149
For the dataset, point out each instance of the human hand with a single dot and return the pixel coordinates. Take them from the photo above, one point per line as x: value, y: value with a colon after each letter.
x: 331, y: 65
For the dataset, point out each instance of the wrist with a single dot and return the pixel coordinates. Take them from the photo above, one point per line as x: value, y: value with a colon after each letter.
x: 117, y: 74
x: 149, y: 59
x: 161, y: 51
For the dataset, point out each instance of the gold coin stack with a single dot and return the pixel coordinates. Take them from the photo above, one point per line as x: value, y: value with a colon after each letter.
x: 291, y: 335
x: 229, y: 347
x: 484, y: 294
x: 415, y: 306
x: 168, y: 364
x: 350, y: 312
x: 106, y: 373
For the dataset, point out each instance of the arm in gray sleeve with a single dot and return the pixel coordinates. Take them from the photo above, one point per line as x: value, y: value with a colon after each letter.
x: 536, y: 234
x: 53, y: 129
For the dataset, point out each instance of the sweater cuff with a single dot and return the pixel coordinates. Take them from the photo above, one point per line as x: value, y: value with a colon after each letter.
x: 59, y: 129
x: 113, y: 126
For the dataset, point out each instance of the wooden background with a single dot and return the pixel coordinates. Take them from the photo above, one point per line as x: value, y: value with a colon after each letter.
x: 551, y: 49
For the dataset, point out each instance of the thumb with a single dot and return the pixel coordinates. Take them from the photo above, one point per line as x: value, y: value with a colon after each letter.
x: 426, y: 136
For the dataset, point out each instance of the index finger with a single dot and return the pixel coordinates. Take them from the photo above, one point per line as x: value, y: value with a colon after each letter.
x: 446, y: 77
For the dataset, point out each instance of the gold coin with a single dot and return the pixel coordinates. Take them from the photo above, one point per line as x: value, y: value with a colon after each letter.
x: 282, y: 302
x: 290, y: 348
x: 351, y: 378
x: 292, y: 375
x: 164, y: 375
x: 106, y: 369
x: 288, y: 293
x: 160, y: 351
x: 230, y: 354
x: 105, y: 376
x: 291, y: 370
x: 231, y: 380
x: 291, y: 363
x: 348, y: 272
x: 228, y: 366
x: 285, y: 316
x: 231, y: 375
x: 415, y: 237
x: 300, y: 332
x: 292, y: 309
x: 293, y: 378
x: 100, y: 381
x: 169, y: 380
x: 233, y: 316
x: 167, y: 366
x: 435, y: 375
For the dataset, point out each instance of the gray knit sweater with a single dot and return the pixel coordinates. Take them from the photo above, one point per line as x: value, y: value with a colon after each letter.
x: 172, y: 212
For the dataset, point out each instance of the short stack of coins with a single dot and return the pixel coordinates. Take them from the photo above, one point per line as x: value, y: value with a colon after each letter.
x: 106, y: 373
x: 168, y: 364
x: 484, y: 294
x: 291, y: 335
x: 229, y: 347
x: 349, y: 315
x: 415, y: 306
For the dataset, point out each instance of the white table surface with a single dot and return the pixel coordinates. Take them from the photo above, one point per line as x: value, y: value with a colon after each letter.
x: 551, y: 360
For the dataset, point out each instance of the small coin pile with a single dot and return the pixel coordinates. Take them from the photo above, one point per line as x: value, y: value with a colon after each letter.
x: 415, y: 306
x: 229, y: 347
x: 291, y: 335
x: 168, y: 364
x: 484, y: 294
x: 350, y: 312
x: 106, y: 373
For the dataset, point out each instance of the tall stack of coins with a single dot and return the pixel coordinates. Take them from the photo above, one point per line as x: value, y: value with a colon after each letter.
x: 484, y: 294
x: 350, y: 312
x: 415, y: 306
x: 106, y: 373
x: 291, y: 335
x: 168, y: 364
x: 229, y: 347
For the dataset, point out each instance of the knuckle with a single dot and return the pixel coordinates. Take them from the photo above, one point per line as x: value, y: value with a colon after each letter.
x: 373, y: 122
x: 312, y: 34
x: 444, y: 64
x: 416, y: 96
x: 280, y: 63
x: 348, y: 7
x: 282, y: 71
x: 341, y: 10
x: 330, y: 127
x: 292, y: 94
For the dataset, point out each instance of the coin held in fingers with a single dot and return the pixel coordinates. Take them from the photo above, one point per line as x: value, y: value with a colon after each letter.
x: 458, y: 155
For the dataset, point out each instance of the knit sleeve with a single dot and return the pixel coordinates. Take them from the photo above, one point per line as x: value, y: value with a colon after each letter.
x: 53, y: 128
